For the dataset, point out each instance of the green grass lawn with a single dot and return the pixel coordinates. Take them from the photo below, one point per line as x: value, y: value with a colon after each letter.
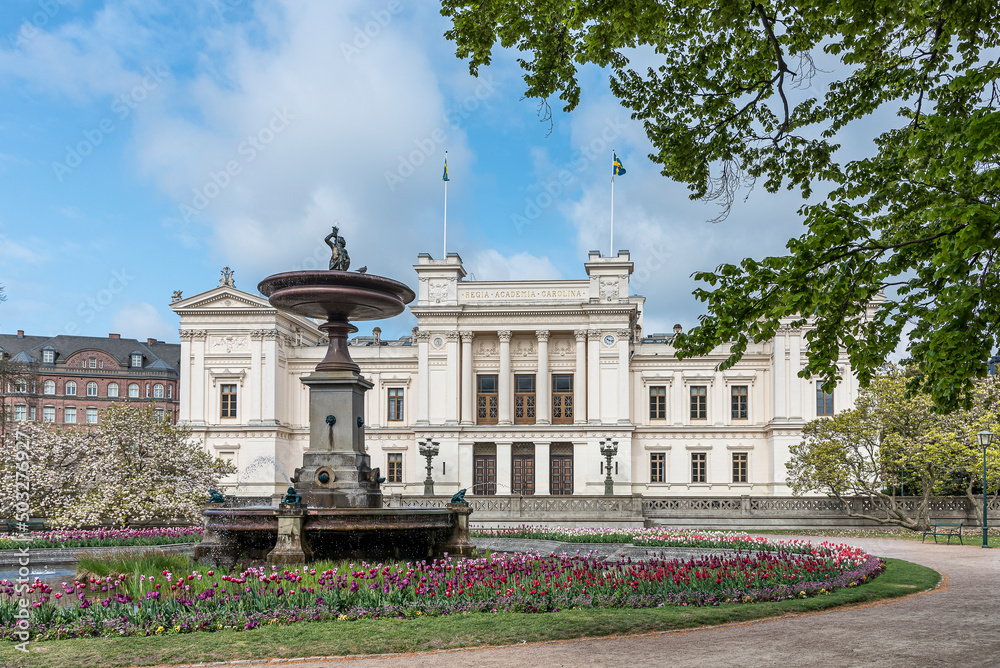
x: 385, y: 636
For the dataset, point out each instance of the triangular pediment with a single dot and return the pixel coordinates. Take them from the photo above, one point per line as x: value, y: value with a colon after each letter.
x: 223, y: 297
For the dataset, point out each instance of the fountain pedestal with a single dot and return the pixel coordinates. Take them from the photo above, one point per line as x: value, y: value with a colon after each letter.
x: 460, y: 542
x: 291, y: 546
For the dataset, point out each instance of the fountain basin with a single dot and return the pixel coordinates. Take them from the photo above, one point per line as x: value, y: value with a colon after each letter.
x: 336, y: 295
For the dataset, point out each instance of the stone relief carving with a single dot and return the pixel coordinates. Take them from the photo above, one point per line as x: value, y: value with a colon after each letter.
x: 229, y: 344
x: 524, y: 348
x: 488, y: 349
x: 562, y: 348
x: 609, y: 288
x: 437, y: 291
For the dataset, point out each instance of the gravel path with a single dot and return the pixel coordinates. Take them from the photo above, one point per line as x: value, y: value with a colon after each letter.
x: 955, y: 625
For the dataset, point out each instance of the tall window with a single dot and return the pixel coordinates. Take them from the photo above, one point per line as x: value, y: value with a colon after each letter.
x: 699, y: 402
x: 739, y: 395
x: 395, y: 404
x: 395, y: 472
x: 487, y: 399
x: 157, y: 391
x: 112, y: 389
x: 71, y: 389
x: 20, y: 412
x: 91, y: 389
x: 657, y: 467
x: 740, y: 467
x: 69, y: 415
x: 658, y: 403
x: 49, y: 387
x: 562, y: 398
x: 524, y: 399
x: 824, y: 401
x: 228, y: 401
x: 48, y: 413
x: 698, y: 464
x: 91, y: 416
x: 170, y: 391
x: 158, y: 414
x: 133, y: 390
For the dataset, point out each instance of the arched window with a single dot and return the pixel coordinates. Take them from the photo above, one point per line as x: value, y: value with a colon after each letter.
x: 157, y: 391
x: 112, y: 389
x: 133, y: 390
x: 91, y: 389
x: 71, y: 388
x: 49, y: 387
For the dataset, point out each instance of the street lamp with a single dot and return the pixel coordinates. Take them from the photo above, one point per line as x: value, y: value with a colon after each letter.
x: 984, y: 440
x: 429, y: 449
x: 609, y: 449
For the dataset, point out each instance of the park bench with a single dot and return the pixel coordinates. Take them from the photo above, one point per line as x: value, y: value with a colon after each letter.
x: 948, y: 529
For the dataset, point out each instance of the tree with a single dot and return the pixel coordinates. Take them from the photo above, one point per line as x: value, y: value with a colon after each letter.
x: 866, y: 450
x: 131, y: 469
x: 18, y: 387
x: 728, y: 106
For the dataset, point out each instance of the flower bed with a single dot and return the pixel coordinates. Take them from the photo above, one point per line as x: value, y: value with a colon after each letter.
x: 101, y: 538
x: 206, y: 600
x: 655, y: 537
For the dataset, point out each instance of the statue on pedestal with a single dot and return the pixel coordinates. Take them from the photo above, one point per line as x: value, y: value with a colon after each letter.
x: 339, y: 259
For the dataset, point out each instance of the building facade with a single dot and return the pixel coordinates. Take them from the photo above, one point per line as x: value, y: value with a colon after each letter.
x: 519, y: 382
x: 72, y: 379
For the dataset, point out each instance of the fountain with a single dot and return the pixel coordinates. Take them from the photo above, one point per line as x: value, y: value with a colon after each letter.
x: 334, y: 508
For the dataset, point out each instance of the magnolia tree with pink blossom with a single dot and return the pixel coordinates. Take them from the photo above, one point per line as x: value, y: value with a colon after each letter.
x: 131, y: 469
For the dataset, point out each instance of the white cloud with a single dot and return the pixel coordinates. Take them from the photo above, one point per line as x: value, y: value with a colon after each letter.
x: 490, y: 265
x: 140, y: 320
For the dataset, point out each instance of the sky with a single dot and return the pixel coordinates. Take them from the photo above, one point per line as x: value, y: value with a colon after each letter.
x: 146, y: 145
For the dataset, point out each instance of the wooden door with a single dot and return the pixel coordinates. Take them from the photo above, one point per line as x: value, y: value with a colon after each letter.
x: 484, y: 475
x: 523, y: 474
x: 561, y: 467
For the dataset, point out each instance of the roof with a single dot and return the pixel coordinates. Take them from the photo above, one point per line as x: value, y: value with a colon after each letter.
x: 168, y: 354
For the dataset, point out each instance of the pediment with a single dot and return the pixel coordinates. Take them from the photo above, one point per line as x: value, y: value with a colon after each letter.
x: 222, y: 298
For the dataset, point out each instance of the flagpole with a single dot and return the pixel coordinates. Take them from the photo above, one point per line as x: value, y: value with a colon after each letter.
x: 444, y: 243
x: 611, y: 252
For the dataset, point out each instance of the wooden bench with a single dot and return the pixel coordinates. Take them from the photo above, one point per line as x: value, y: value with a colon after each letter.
x: 948, y: 529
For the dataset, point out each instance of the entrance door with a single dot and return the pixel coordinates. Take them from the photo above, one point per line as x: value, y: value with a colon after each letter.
x: 484, y: 474
x: 523, y: 474
x: 561, y: 467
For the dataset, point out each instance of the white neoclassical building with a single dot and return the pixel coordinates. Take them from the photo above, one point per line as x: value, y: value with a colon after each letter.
x: 518, y: 381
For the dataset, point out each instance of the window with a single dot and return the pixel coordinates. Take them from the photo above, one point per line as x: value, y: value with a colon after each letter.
x: 147, y: 390
x: 71, y: 389
x: 658, y: 403
x: 740, y: 467
x: 699, y: 402
x: 739, y: 396
x: 487, y: 399
x: 91, y: 389
x: 395, y: 403
x: 69, y: 415
x: 228, y: 401
x: 21, y: 386
x: 31, y: 413
x: 157, y: 391
x: 824, y: 401
x: 562, y: 398
x: 49, y: 387
x: 158, y: 414
x: 20, y: 412
x: 91, y: 416
x: 112, y: 389
x: 48, y: 413
x: 48, y: 356
x: 657, y: 467
x: 524, y: 399
x: 395, y: 472
x: 698, y: 462
x: 133, y: 390
x: 136, y: 360
x: 170, y: 391
x: 93, y: 362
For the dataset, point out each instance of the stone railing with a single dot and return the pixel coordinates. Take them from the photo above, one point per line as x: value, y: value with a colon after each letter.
x: 554, y: 509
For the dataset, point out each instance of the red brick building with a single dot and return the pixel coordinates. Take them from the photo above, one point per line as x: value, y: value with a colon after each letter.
x: 71, y: 379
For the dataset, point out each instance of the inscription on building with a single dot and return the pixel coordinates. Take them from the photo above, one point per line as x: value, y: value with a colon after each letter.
x: 541, y: 293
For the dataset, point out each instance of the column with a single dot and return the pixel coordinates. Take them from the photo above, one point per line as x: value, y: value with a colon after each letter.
x: 543, y: 396
x: 580, y: 379
x: 255, y: 386
x: 465, y: 452
x: 624, y: 408
x: 680, y: 407
x: 720, y: 407
x: 468, y: 393
x: 542, y: 468
x: 594, y: 376
x: 199, y: 408
x: 187, y: 372
x: 270, y: 371
x: 503, y: 467
x: 504, y: 388
x: 376, y: 406
x: 451, y: 383
x: 780, y: 378
x: 581, y: 472
x: 423, y: 377
x: 794, y: 382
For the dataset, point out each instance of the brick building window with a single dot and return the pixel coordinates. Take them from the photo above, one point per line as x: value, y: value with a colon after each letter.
x: 739, y: 397
x: 524, y: 399
x: 170, y: 391
x: 487, y: 399
x: 70, y: 389
x: 824, y: 400
x: 395, y: 403
x: 158, y: 391
x: 20, y: 412
x: 699, y: 402
x: 740, y: 467
x: 698, y: 467
x: 69, y: 415
x: 133, y: 390
x: 49, y: 387
x: 562, y: 398
x: 91, y: 415
x: 136, y: 361
x: 48, y: 356
x: 228, y: 401
x: 91, y: 389
x: 48, y: 413
x: 92, y: 362
x: 158, y: 414
x: 112, y: 389
x: 395, y: 471
x: 657, y: 467
x: 658, y: 403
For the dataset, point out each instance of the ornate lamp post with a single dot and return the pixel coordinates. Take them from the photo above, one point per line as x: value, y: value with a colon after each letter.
x: 609, y: 449
x: 429, y: 449
x: 984, y: 440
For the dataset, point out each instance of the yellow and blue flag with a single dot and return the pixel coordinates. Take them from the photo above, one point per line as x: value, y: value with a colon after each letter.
x: 444, y: 177
x: 619, y: 169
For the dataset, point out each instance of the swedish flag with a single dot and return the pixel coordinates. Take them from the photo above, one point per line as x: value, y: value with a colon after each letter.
x: 444, y: 177
x: 619, y: 169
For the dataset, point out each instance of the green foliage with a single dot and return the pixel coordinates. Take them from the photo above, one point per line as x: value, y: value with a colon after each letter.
x: 913, y: 226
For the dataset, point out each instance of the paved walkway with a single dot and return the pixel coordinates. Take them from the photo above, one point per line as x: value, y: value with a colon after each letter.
x: 957, y: 625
